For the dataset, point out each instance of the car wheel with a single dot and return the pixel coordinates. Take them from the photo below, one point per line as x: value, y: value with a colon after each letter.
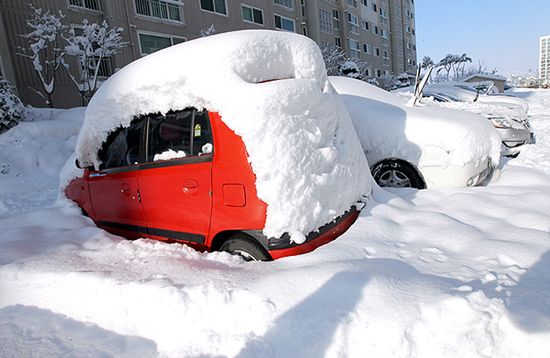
x: 395, y: 173
x: 247, y: 248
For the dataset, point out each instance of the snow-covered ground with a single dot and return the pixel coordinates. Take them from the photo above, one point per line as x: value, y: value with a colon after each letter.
x: 456, y: 273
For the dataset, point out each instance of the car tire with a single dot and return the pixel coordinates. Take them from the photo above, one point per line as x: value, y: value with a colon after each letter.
x: 246, y: 247
x: 396, y: 173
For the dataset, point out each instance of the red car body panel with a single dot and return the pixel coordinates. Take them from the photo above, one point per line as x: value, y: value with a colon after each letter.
x: 191, y: 201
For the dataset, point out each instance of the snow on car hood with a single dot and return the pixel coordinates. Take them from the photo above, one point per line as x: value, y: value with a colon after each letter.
x: 270, y: 88
x: 386, y: 124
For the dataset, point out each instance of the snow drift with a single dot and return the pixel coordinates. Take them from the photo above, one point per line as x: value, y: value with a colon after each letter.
x: 270, y: 88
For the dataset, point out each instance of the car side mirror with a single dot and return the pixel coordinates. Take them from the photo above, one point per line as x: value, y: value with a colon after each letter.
x: 78, y: 165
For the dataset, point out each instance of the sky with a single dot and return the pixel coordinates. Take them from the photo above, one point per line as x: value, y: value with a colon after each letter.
x: 503, y: 34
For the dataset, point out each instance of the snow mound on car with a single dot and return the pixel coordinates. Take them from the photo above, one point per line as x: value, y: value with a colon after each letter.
x: 271, y: 89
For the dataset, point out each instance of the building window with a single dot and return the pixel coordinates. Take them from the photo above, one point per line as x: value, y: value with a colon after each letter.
x: 284, y: 23
x: 167, y: 9
x: 383, y: 13
x: 325, y: 21
x: 151, y: 43
x: 367, y: 72
x: 354, y: 48
x: 375, y: 29
x: 377, y: 51
x: 365, y: 2
x: 386, y: 54
x: 365, y: 24
x: 337, y: 42
x: 252, y: 14
x: 352, y: 3
x: 374, y: 7
x: 87, y: 4
x: 353, y: 23
x: 217, y: 6
x: 378, y: 73
x: 366, y: 48
x: 336, y: 19
x: 303, y: 6
x: 285, y: 3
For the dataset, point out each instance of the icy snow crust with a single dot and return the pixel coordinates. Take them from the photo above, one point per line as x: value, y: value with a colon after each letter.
x: 424, y: 136
x: 307, y: 159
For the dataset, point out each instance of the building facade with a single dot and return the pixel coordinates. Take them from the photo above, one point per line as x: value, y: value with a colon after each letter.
x: 379, y: 32
x: 544, y: 57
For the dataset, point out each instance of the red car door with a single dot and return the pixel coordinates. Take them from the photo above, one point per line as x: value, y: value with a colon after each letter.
x: 175, y: 183
x: 114, y: 188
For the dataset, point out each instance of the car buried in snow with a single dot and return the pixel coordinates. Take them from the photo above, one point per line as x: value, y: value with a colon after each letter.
x: 507, y: 114
x: 419, y: 147
x: 199, y: 145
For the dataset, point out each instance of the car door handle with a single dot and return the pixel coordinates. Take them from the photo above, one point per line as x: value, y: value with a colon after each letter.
x: 190, y: 187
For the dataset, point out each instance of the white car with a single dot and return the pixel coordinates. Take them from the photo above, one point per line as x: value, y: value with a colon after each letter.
x: 508, y: 114
x: 419, y: 147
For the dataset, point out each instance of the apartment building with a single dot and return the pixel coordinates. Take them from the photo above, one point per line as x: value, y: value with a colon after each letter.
x: 544, y: 57
x: 379, y: 32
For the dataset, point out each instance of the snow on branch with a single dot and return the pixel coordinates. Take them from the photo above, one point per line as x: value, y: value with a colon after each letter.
x: 92, y: 45
x: 44, y: 48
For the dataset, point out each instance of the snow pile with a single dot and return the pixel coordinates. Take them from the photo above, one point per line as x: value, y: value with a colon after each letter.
x: 307, y: 159
x: 453, y: 273
x: 386, y: 125
x: 169, y: 154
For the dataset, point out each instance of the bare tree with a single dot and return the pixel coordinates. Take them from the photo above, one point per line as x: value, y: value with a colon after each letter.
x: 91, y: 47
x: 45, y: 50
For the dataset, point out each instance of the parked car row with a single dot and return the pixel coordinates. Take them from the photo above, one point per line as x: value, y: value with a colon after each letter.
x: 240, y: 142
x: 508, y: 114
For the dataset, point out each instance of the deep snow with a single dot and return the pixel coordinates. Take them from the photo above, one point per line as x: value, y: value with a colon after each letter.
x: 454, y: 273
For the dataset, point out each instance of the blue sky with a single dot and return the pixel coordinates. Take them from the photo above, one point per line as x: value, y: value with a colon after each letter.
x: 503, y: 33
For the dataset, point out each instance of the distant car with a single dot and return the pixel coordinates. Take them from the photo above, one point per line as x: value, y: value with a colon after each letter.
x: 419, y: 147
x: 507, y: 114
x: 161, y: 161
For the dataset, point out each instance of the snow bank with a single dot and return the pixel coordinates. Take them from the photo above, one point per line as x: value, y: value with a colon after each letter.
x: 307, y: 159
x: 385, y: 124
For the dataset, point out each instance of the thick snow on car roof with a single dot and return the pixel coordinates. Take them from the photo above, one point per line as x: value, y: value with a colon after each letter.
x: 308, y: 162
x: 386, y: 124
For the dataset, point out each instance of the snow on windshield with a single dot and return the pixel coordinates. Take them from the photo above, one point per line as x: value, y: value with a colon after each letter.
x: 269, y: 87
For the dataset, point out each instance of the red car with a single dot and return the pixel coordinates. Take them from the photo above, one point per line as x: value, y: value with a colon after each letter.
x: 184, y: 177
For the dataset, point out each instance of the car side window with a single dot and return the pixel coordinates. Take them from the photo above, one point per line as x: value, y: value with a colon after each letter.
x: 122, y: 147
x: 178, y: 134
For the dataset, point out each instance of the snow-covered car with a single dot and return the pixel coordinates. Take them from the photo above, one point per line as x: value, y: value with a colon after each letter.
x: 235, y: 142
x: 508, y: 114
x: 419, y: 147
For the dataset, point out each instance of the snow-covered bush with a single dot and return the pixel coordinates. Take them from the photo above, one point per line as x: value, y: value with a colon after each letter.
x: 350, y: 69
x: 91, y: 46
x: 44, y: 49
x: 11, y: 107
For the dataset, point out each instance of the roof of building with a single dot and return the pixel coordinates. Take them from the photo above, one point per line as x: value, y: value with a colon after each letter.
x: 486, y: 76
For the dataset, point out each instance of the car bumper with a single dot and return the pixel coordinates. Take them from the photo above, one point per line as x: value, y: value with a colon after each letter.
x: 283, y: 246
x: 471, y: 174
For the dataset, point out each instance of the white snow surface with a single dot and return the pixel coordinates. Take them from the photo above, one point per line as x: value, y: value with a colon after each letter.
x: 390, y: 128
x: 295, y: 128
x: 169, y: 154
x: 431, y: 273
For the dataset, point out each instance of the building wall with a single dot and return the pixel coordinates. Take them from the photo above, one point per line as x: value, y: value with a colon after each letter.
x: 381, y: 41
x: 544, y: 57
